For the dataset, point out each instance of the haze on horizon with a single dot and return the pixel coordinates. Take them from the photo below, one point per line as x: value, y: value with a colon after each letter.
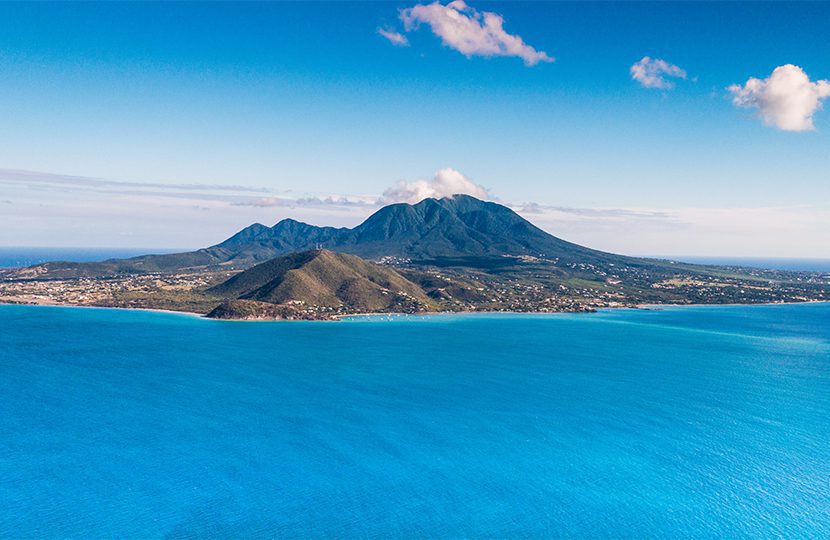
x: 643, y: 129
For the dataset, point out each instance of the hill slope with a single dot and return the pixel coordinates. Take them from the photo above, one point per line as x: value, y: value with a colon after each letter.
x: 326, y: 281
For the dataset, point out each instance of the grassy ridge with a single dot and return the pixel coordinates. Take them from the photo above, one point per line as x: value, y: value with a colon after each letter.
x: 328, y: 282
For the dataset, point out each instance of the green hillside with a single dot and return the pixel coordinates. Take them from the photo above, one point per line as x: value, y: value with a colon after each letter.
x: 327, y: 281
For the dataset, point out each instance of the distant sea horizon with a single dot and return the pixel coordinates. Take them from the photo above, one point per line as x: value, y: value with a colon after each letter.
x: 774, y: 263
x: 19, y: 257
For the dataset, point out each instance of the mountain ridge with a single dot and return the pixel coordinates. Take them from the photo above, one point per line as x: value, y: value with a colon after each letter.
x: 452, y: 227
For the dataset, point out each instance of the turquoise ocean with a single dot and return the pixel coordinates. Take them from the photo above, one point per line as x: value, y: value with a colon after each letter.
x: 681, y: 422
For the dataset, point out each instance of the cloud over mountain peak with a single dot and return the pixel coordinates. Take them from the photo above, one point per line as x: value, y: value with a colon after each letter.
x: 445, y: 183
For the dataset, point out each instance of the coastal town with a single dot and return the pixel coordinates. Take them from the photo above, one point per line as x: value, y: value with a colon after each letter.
x: 523, y: 285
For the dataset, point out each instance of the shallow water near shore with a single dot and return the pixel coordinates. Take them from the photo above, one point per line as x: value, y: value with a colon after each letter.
x: 685, y: 421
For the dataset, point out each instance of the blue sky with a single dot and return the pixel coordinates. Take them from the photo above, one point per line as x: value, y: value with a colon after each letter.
x: 304, y: 110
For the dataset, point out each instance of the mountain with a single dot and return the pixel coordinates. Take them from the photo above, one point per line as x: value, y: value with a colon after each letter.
x: 457, y: 226
x: 326, y: 282
x: 460, y: 226
x: 452, y: 254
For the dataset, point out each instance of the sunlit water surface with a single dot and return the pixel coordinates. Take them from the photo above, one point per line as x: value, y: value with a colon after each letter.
x: 703, y: 421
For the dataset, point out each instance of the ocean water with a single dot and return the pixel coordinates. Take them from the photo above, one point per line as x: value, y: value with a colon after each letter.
x: 682, y: 422
x: 775, y: 263
x: 18, y: 257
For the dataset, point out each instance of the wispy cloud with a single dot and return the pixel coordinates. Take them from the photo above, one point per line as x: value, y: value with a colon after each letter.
x: 656, y: 73
x: 593, y: 213
x: 787, y: 99
x: 263, y: 202
x: 311, y: 202
x: 35, y: 178
x: 395, y: 38
x: 221, y: 194
x: 471, y: 32
x: 446, y: 182
x: 56, y: 209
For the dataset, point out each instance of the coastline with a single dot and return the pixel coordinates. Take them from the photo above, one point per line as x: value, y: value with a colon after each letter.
x: 725, y: 304
x: 54, y: 304
x: 645, y: 307
x: 338, y: 318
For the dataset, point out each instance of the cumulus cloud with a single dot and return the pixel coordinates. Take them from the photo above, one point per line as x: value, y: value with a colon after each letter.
x: 470, y: 32
x: 445, y: 183
x: 395, y: 38
x: 656, y: 73
x: 787, y: 99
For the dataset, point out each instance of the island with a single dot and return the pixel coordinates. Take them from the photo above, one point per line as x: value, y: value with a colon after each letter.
x: 455, y: 254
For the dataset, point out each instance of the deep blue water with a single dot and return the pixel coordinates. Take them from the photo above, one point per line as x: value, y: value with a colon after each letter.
x: 684, y: 422
x: 776, y: 263
x: 18, y: 257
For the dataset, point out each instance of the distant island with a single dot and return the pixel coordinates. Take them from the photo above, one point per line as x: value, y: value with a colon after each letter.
x: 454, y: 254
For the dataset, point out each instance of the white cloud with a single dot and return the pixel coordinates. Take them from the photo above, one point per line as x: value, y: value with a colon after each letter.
x: 445, y: 183
x: 787, y: 99
x: 470, y: 32
x: 396, y: 38
x: 656, y: 73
